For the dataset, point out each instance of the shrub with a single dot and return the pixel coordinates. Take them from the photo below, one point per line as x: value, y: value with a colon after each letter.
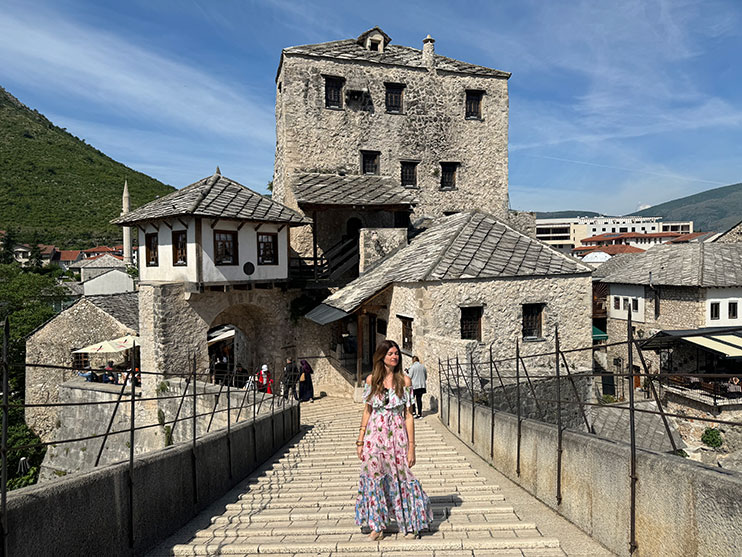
x: 608, y: 399
x: 712, y: 438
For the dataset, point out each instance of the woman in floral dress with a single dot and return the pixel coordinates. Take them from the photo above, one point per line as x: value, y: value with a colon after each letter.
x: 387, y: 489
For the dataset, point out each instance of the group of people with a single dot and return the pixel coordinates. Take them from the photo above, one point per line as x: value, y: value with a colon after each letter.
x: 294, y: 378
x: 109, y: 374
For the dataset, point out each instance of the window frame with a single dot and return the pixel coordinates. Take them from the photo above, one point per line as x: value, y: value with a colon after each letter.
x: 367, y: 156
x: 184, y: 261
x: 617, y: 303
x: 274, y: 242
x: 472, y: 322
x: 445, y: 167
x: 538, y: 320
x: 80, y: 360
x: 473, y: 98
x: 715, y: 309
x: 236, y: 251
x: 733, y: 314
x: 152, y: 249
x: 635, y: 305
x: 413, y: 166
x: 390, y: 90
x: 334, y: 83
x: 407, y: 332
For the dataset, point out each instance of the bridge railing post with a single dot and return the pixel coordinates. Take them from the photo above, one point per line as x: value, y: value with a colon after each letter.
x: 558, y: 418
x: 632, y: 431
x: 132, y: 425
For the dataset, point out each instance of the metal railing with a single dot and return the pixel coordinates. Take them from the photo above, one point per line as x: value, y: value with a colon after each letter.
x: 232, y: 405
x: 507, y: 385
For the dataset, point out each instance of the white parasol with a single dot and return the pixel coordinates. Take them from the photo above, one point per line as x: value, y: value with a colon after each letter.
x: 116, y: 345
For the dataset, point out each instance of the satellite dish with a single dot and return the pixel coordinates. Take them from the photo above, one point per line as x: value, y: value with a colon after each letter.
x: 248, y: 268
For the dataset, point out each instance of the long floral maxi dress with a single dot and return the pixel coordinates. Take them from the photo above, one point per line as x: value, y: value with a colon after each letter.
x: 387, y: 488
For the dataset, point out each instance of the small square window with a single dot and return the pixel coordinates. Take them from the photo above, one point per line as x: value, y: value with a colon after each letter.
x: 370, y: 162
x: 409, y: 174
x: 267, y: 249
x: 394, y: 97
x: 714, y: 310
x: 533, y: 320
x: 474, y: 105
x: 406, y: 332
x: 732, y: 310
x: 635, y: 305
x: 225, y: 247
x: 374, y: 45
x: 448, y: 175
x: 80, y: 360
x: 334, y: 92
x: 151, y: 243
x: 180, y: 251
x: 471, y: 323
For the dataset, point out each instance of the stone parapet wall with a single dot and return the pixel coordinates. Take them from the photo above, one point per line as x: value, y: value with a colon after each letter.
x: 376, y: 243
x: 682, y: 508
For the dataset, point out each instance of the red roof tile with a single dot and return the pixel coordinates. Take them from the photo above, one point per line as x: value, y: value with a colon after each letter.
x: 69, y: 254
x: 99, y: 249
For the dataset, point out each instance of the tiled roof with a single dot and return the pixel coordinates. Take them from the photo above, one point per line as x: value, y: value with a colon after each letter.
x: 363, y: 189
x: 215, y: 197
x: 611, y: 236
x: 693, y: 237
x: 124, y: 308
x: 99, y: 249
x: 397, y: 55
x: 610, y: 250
x: 694, y: 264
x: 69, y: 254
x: 101, y: 262
x: 468, y: 245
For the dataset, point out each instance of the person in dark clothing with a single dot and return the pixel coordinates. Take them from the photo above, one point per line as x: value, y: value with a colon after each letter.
x: 290, y: 378
x: 306, y: 389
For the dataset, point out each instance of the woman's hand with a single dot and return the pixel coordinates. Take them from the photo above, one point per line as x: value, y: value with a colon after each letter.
x: 411, y: 457
x: 359, y: 451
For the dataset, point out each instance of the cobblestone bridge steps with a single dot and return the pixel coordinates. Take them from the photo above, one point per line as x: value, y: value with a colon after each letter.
x: 303, y: 502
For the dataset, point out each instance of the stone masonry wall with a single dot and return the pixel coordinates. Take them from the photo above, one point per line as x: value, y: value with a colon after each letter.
x: 432, y: 129
x: 80, y: 325
x: 731, y: 236
x: 376, y: 243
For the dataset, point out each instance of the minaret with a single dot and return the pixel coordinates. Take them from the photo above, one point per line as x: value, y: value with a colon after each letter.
x: 125, y: 207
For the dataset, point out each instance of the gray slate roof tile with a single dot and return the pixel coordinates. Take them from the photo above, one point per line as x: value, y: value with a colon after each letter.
x: 396, y: 55
x: 122, y: 307
x: 216, y: 197
x: 351, y: 189
x: 697, y: 264
x: 447, y: 251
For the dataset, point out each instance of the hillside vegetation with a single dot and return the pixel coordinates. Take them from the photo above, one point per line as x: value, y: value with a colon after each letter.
x: 711, y: 210
x: 55, y: 188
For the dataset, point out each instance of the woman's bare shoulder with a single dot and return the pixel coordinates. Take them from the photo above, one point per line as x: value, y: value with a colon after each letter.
x: 368, y: 379
x: 407, y: 381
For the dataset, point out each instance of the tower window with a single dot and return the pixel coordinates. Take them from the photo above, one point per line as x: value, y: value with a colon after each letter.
x: 150, y: 241
x: 180, y: 252
x: 448, y: 175
x: 267, y: 249
x: 370, y: 162
x: 225, y: 247
x: 334, y: 92
x: 409, y: 174
x: 394, y: 97
x: 474, y: 105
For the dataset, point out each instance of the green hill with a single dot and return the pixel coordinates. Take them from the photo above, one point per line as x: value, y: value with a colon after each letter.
x: 711, y: 210
x: 56, y: 188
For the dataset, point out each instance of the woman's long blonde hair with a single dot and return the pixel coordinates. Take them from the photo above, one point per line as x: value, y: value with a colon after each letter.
x: 379, y: 370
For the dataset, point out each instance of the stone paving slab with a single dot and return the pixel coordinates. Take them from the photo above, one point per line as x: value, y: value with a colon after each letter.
x: 303, y: 501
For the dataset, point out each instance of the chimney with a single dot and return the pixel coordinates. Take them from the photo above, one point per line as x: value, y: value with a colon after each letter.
x: 125, y: 208
x: 429, y: 52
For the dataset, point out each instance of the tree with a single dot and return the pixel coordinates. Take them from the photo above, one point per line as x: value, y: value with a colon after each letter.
x: 34, y: 258
x: 6, y: 248
x: 27, y: 300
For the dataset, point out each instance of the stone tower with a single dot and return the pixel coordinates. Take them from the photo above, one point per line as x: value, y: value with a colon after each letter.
x: 432, y: 127
x: 125, y: 208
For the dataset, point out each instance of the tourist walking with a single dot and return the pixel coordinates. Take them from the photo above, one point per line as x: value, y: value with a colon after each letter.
x: 306, y: 388
x: 264, y: 380
x: 387, y: 489
x: 419, y: 375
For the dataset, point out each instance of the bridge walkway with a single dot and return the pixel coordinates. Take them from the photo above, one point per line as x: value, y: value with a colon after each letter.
x: 302, y: 503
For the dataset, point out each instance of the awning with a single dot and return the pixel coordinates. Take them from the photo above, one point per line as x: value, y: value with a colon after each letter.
x: 598, y: 334
x: 324, y: 314
x: 108, y: 346
x: 221, y: 336
x: 725, y: 341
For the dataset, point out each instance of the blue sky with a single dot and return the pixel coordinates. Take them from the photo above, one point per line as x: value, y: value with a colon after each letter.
x: 613, y: 105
